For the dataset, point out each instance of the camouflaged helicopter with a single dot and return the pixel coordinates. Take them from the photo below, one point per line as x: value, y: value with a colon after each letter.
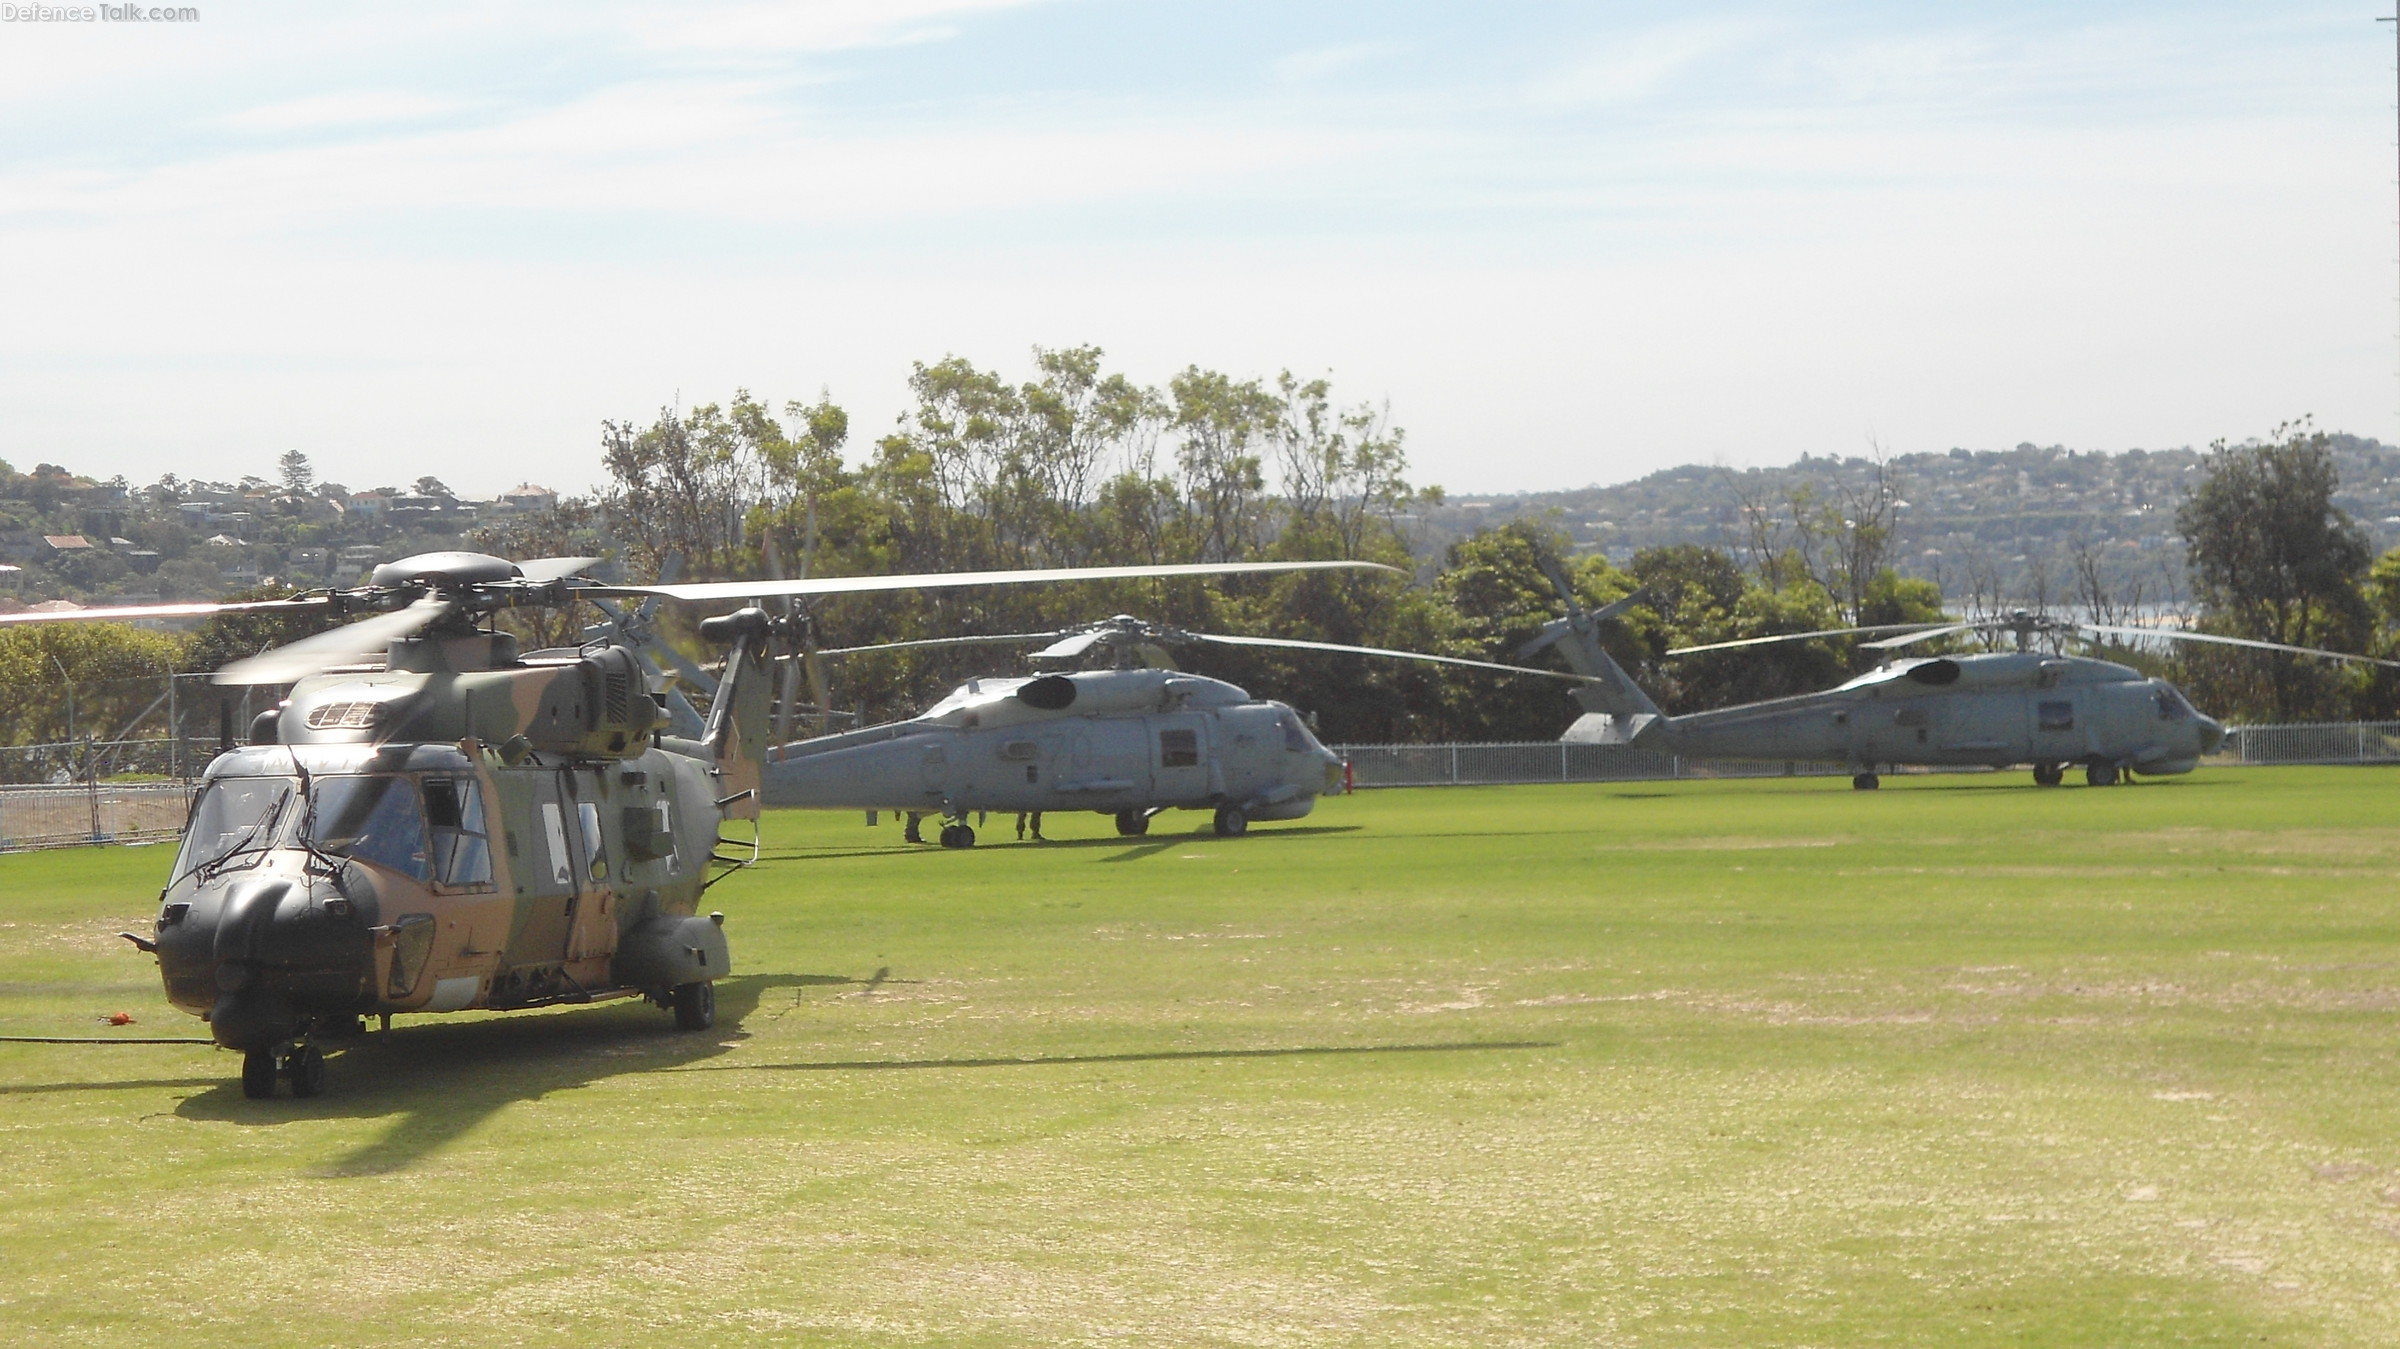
x: 1990, y: 709
x: 434, y: 822
x: 1131, y: 742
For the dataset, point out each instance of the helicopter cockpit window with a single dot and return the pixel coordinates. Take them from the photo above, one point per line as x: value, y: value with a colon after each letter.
x: 2171, y: 706
x: 1294, y: 738
x: 462, y: 854
x: 376, y: 819
x: 234, y: 822
x: 1178, y: 749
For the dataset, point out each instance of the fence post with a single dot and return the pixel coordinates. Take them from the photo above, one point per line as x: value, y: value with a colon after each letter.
x: 1562, y: 761
x: 1454, y: 765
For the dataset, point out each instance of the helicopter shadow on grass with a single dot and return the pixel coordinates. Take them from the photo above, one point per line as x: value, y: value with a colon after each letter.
x: 435, y: 1082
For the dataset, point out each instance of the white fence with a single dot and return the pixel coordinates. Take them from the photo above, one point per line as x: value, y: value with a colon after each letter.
x: 2319, y: 742
x: 1546, y: 761
x: 2344, y: 742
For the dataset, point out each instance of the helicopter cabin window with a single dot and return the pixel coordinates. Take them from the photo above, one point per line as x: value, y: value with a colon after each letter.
x: 1179, y: 749
x: 2056, y: 716
x: 595, y: 844
x: 553, y: 863
x: 377, y: 820
x: 462, y: 852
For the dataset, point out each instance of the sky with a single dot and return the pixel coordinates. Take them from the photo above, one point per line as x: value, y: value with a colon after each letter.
x: 1566, y: 243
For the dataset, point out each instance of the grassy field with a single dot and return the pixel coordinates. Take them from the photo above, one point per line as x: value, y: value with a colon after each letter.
x: 1961, y: 1062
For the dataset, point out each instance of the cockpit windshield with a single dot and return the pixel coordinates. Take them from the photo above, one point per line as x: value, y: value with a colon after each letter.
x: 235, y: 822
x: 2171, y: 703
x: 376, y: 819
x: 1296, y: 738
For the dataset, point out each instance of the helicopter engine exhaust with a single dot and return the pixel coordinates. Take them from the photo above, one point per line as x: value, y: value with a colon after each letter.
x: 1050, y: 693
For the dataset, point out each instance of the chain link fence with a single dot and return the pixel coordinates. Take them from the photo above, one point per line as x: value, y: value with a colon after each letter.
x: 120, y: 791
x: 97, y: 812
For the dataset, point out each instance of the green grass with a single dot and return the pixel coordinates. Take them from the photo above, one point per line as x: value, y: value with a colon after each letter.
x: 1768, y: 1063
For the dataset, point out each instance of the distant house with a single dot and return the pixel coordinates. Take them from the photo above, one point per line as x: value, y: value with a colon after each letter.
x: 11, y: 575
x: 314, y: 561
x: 64, y: 545
x: 368, y: 503
x: 526, y: 496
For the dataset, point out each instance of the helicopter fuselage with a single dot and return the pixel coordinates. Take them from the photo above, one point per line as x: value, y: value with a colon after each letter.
x: 1121, y: 742
x: 1990, y: 710
x: 546, y: 848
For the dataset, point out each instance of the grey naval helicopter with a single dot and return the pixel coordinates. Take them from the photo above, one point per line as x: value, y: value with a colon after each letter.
x: 434, y: 822
x: 1993, y: 709
x: 1131, y: 741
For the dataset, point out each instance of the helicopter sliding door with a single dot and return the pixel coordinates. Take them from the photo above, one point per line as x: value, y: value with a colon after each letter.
x: 1179, y: 763
x: 541, y: 847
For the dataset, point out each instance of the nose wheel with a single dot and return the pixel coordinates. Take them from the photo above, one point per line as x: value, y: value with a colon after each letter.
x: 958, y: 836
x: 302, y: 1064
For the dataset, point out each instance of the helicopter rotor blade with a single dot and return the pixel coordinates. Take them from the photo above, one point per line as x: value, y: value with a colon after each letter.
x: 994, y: 639
x: 1895, y: 643
x: 1811, y: 636
x: 131, y: 611
x: 705, y: 591
x: 556, y: 568
x: 1072, y: 645
x: 297, y: 660
x: 1297, y: 645
x: 2182, y: 635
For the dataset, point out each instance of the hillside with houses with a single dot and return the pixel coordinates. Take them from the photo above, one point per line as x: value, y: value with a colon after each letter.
x: 67, y: 537
x: 2021, y: 523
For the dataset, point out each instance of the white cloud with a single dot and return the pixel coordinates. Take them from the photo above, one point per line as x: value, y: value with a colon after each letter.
x: 1308, y: 67
x: 803, y: 25
x: 362, y: 108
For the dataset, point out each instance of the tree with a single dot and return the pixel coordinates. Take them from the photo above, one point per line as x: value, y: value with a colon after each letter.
x: 298, y: 476
x: 2273, y: 559
x: 431, y: 486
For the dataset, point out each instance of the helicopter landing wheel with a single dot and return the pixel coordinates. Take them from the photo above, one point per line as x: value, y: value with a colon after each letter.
x: 1231, y: 822
x: 1132, y: 823
x: 957, y: 836
x: 258, y: 1074
x: 2100, y: 774
x: 1865, y: 782
x: 305, y: 1066
x: 2049, y: 774
x: 695, y: 1006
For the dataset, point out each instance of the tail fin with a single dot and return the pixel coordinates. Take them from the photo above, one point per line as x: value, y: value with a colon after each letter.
x: 1615, y: 711
x: 740, y: 718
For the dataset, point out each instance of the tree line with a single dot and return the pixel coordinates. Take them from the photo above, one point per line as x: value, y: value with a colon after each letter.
x: 1076, y: 465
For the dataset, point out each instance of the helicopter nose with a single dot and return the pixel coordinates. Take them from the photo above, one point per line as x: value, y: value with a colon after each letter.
x: 267, y: 954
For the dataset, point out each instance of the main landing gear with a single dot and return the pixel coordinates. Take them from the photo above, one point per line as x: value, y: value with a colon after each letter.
x: 2100, y: 773
x: 1133, y: 823
x: 957, y: 836
x: 1865, y: 782
x: 1231, y: 822
x: 2049, y: 774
